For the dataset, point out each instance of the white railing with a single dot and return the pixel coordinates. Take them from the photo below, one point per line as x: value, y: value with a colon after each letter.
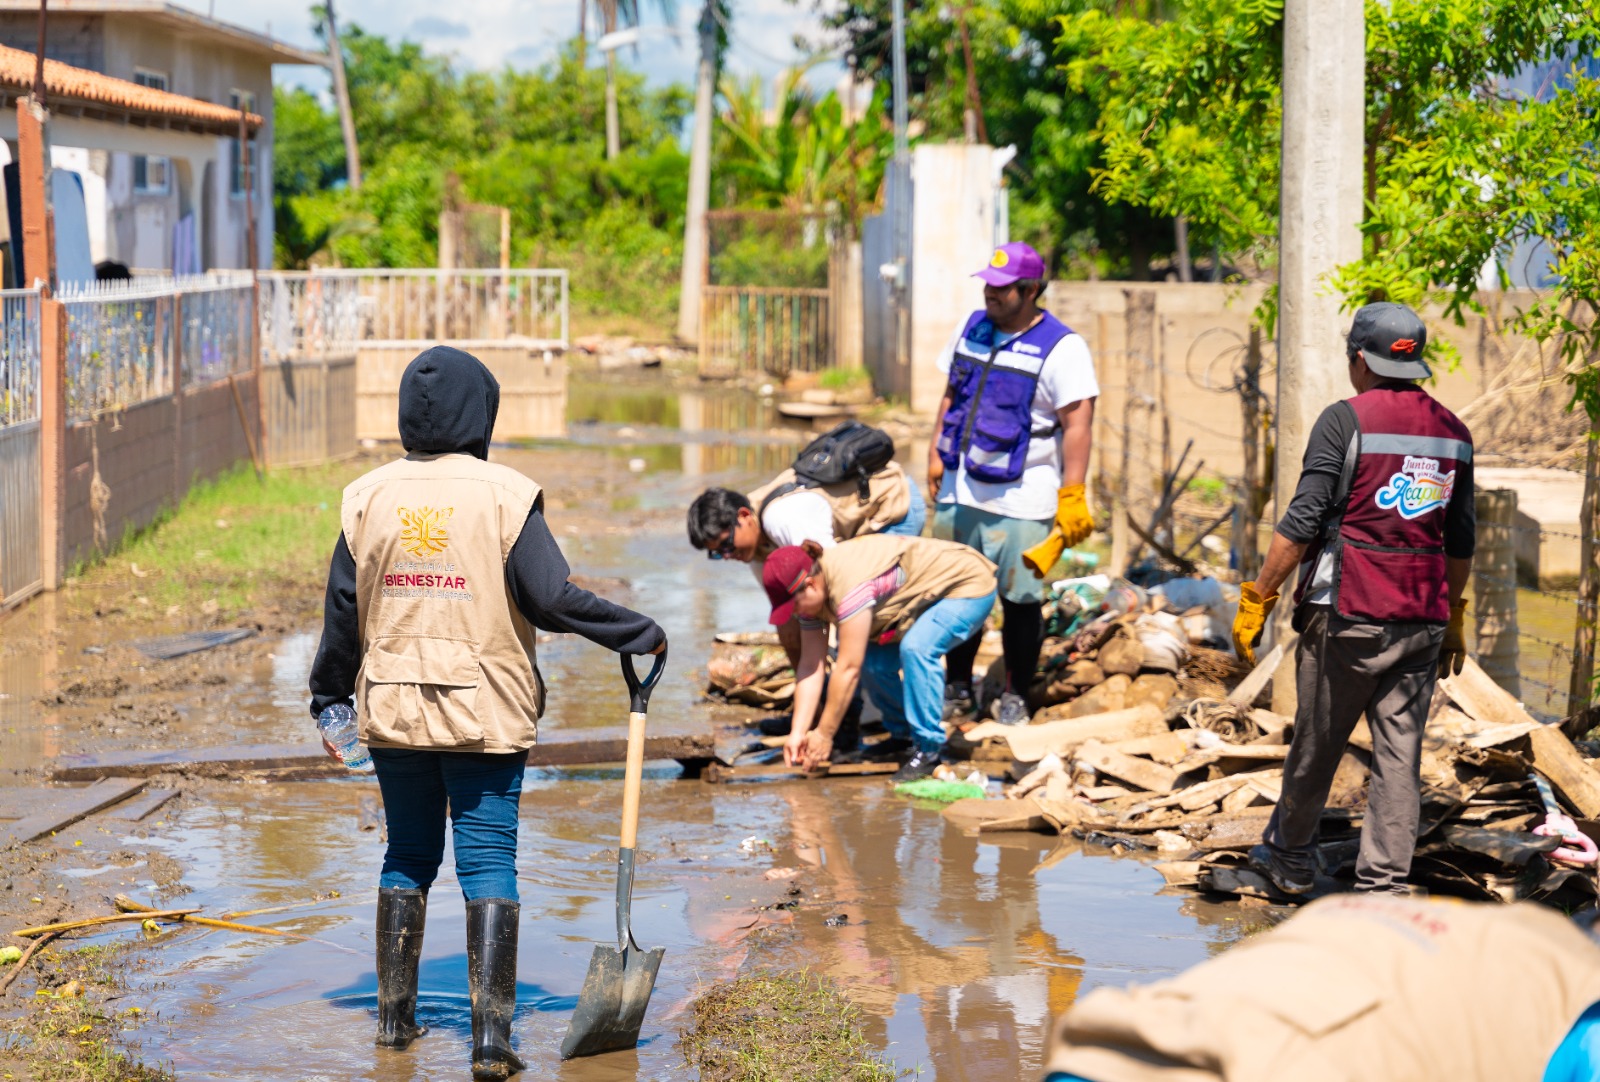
x: 19, y: 356
x: 125, y: 338
x: 318, y: 310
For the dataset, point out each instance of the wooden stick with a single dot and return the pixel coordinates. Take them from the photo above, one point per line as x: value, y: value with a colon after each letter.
x: 27, y: 956
x: 91, y: 922
x: 128, y: 905
x: 279, y: 908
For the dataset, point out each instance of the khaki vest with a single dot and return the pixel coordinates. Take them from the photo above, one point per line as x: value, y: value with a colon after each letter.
x: 447, y: 661
x: 1352, y: 989
x: 934, y: 571
x: 888, y: 501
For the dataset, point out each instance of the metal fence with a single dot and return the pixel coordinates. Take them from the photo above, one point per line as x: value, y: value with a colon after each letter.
x: 19, y: 445
x: 747, y: 329
x: 307, y: 316
x: 415, y: 305
x: 125, y: 339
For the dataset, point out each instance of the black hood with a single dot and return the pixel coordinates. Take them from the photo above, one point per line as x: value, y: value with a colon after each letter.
x: 448, y: 401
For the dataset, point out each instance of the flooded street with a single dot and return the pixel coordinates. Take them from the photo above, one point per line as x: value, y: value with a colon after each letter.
x: 959, y: 950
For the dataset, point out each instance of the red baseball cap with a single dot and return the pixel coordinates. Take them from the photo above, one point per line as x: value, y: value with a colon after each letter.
x: 783, y: 574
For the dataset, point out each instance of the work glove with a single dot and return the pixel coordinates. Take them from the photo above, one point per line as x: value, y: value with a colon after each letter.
x: 1253, y: 612
x: 1453, y: 654
x: 1071, y: 526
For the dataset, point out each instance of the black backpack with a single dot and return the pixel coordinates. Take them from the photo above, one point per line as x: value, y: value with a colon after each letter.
x: 850, y: 451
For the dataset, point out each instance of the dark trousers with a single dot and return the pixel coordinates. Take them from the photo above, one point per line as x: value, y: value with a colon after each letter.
x: 1342, y: 670
x: 479, y: 791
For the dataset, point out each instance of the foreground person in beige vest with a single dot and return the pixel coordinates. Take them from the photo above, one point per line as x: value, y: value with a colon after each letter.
x: 442, y: 571
x: 1359, y: 988
x: 900, y: 605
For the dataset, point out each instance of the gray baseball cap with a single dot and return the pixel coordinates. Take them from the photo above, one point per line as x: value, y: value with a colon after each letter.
x: 1391, y: 337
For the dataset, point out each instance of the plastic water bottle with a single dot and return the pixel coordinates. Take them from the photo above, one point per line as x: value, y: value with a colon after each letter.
x: 337, y: 724
x: 1090, y: 560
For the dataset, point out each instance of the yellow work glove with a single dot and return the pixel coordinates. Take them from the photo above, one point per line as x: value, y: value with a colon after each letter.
x: 1253, y: 612
x: 1454, y: 651
x: 1072, y: 515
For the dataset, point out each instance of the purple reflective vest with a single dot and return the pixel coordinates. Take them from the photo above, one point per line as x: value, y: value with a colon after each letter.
x: 990, y: 420
x: 1387, y: 540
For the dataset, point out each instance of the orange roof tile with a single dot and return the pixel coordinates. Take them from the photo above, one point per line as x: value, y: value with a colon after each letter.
x: 63, y: 82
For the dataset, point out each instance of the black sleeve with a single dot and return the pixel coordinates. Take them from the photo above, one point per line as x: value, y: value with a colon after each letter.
x: 333, y: 673
x: 1461, y: 516
x: 537, y: 574
x: 1313, y: 498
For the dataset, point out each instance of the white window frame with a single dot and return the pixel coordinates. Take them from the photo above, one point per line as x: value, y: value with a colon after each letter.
x: 147, y: 188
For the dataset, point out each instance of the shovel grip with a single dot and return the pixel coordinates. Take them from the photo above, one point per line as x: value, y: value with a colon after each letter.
x: 639, y: 690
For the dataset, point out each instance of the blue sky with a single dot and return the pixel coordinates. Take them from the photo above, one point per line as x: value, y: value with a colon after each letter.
x: 526, y: 33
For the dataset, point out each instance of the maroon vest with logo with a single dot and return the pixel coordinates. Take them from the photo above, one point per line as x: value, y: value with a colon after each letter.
x: 1388, y: 542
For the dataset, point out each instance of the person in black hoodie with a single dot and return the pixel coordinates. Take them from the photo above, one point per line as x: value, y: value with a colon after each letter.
x: 443, y: 567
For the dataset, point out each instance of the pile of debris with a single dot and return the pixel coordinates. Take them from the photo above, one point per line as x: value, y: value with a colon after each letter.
x: 1196, y: 784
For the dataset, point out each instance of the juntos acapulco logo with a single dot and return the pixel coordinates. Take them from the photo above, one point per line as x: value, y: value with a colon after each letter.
x: 1418, y: 488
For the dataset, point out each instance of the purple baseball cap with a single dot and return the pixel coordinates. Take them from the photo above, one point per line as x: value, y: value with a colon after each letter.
x: 1012, y: 263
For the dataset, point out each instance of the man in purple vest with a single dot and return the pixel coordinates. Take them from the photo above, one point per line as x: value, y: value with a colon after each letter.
x: 1382, y: 529
x: 1009, y: 456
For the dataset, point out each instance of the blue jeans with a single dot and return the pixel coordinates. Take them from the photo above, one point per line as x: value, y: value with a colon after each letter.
x: 916, y: 515
x: 1577, y: 1059
x: 912, y: 704
x: 480, y: 792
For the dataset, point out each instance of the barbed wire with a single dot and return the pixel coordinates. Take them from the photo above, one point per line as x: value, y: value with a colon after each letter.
x: 1512, y: 583
x: 1542, y: 531
x: 1547, y: 464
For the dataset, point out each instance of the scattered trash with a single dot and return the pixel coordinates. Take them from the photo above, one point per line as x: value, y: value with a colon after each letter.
x: 751, y: 668
x: 71, y: 990
x: 938, y: 790
x: 838, y: 921
x: 96, y: 650
x: 754, y: 844
x: 781, y: 873
x: 9, y: 955
x: 637, y: 465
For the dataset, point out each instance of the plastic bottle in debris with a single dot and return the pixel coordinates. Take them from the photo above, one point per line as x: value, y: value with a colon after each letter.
x: 337, y: 724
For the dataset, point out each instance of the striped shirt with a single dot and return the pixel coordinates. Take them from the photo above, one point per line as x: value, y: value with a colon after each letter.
x: 862, y: 598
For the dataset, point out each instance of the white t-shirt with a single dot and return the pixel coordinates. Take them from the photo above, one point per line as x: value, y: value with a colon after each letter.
x: 800, y: 516
x: 1067, y: 376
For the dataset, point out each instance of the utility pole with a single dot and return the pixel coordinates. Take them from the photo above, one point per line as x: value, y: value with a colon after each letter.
x: 1324, y: 130
x: 900, y: 194
x: 341, y: 91
x: 694, y: 222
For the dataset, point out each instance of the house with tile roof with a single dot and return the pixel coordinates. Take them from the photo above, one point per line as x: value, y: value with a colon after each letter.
x: 144, y: 105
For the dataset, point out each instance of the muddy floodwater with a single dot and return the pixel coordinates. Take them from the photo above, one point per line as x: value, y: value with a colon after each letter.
x: 958, y: 949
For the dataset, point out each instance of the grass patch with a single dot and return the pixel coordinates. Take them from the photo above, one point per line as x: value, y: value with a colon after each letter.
x: 235, y: 539
x: 844, y: 379
x: 773, y: 1026
x: 69, y: 1032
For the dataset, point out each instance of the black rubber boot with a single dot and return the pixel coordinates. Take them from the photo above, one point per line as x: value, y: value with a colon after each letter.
x: 492, y: 978
x: 402, y: 912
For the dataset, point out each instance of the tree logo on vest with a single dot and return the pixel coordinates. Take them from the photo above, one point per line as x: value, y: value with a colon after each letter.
x: 1418, y: 488
x: 422, y: 531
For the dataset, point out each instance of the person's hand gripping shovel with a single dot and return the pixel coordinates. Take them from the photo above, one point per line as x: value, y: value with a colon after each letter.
x: 617, y: 990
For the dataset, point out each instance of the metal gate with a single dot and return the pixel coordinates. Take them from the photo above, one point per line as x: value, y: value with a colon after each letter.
x: 20, y: 573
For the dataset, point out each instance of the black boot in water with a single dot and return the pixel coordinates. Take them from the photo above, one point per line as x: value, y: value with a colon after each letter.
x: 492, y: 977
x: 401, y: 914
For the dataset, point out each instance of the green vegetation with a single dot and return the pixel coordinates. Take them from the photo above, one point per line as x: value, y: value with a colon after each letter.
x: 235, y: 540
x: 75, y: 1028
x: 780, y: 1025
x: 845, y: 379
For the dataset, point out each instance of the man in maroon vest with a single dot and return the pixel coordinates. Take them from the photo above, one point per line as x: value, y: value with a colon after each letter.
x: 1382, y: 529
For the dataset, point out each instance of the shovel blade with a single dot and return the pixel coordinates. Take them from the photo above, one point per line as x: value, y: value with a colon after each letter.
x: 611, y: 1006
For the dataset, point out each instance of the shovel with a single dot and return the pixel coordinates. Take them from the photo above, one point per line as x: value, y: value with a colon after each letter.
x: 617, y: 990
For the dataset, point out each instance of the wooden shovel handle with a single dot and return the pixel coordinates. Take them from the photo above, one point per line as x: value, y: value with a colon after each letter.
x: 633, y: 779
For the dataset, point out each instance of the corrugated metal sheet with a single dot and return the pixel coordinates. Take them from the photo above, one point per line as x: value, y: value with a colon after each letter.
x: 19, y: 512
x: 310, y: 410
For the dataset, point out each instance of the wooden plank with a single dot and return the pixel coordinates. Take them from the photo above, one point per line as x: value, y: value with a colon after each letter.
x: 718, y: 773
x: 1165, y: 748
x: 1474, y: 692
x: 1270, y: 723
x: 1573, y: 776
x: 1239, y: 830
x: 556, y: 747
x: 1030, y: 743
x: 142, y: 805
x: 1261, y: 675
x: 19, y: 802
x: 73, y: 805
x: 1151, y: 777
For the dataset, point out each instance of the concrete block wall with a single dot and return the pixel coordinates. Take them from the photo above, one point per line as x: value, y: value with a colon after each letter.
x: 148, y: 457
x: 533, y: 389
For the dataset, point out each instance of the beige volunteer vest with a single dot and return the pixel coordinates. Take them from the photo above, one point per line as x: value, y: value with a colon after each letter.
x: 447, y: 660
x: 888, y: 500
x: 1352, y: 989
x: 934, y: 570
